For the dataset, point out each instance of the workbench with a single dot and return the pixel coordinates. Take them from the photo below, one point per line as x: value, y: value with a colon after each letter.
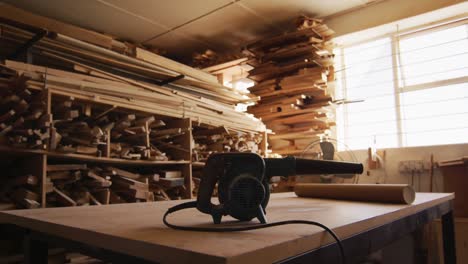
x: 135, y: 233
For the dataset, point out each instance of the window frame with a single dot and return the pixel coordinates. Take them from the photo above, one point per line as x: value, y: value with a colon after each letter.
x: 398, y: 77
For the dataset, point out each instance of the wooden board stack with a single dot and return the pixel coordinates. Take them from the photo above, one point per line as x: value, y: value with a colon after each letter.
x: 77, y: 126
x: 217, y: 140
x: 21, y: 191
x: 210, y: 58
x: 80, y: 184
x: 292, y: 72
x: 93, y: 66
x: 23, y: 116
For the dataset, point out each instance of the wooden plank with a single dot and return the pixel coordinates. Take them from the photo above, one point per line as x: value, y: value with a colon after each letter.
x: 22, y: 16
x: 220, y: 67
x: 63, y: 198
x: 309, y: 134
x: 65, y: 167
x: 156, y: 59
x: 171, y: 182
x: 94, y: 175
x: 295, y: 36
x: 123, y: 173
x: 317, y: 111
x: 23, y: 193
x: 170, y: 174
x: 102, y: 195
x: 93, y: 199
x: 147, y: 237
x: 305, y: 118
x: 128, y: 183
x: 28, y: 179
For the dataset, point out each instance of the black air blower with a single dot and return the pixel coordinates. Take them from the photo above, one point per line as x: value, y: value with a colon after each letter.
x: 243, y: 178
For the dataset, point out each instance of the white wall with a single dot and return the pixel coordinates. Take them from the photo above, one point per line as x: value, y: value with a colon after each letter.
x: 390, y: 172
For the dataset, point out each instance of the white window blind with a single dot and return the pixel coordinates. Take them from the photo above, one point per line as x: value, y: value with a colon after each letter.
x: 414, y: 87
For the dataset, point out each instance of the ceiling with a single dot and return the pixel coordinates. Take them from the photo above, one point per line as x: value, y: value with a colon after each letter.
x: 182, y: 27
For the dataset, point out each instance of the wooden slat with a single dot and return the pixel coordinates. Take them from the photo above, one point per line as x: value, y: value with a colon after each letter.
x: 155, y: 59
x: 22, y: 16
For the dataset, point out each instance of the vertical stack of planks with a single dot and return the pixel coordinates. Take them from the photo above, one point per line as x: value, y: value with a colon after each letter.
x: 292, y: 72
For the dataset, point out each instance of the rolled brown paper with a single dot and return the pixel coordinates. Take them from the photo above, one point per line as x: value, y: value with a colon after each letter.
x: 381, y: 193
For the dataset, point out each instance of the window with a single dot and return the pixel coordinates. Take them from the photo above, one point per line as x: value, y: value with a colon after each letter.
x: 414, y: 87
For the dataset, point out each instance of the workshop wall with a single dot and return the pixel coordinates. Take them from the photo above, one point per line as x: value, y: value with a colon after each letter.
x: 390, y: 171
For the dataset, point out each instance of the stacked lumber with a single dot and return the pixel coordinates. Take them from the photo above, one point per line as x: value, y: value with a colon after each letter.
x: 88, y: 65
x: 220, y: 139
x: 129, y: 186
x: 121, y: 135
x: 80, y: 184
x: 169, y: 185
x: 73, y: 130
x: 24, y: 121
x: 209, y: 58
x: 292, y: 72
x: 20, y: 192
x: 76, y: 185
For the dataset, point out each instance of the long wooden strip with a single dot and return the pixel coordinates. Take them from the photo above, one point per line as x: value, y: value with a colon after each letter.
x: 22, y: 16
x: 173, y: 65
x: 63, y: 198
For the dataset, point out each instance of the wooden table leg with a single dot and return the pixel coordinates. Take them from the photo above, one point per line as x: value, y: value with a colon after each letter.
x: 448, y: 236
x: 35, y: 251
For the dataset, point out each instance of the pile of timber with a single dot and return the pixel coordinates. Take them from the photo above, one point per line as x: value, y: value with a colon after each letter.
x: 210, y: 58
x: 20, y: 192
x: 79, y: 184
x: 220, y: 139
x: 76, y: 184
x: 75, y: 126
x: 24, y: 121
x: 292, y: 72
x: 82, y: 129
x: 85, y: 64
x: 169, y: 186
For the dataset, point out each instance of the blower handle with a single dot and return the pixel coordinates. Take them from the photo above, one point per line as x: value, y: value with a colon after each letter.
x: 291, y: 166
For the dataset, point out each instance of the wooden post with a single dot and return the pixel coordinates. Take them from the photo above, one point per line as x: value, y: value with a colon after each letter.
x: 186, y: 142
x: 264, y: 144
x: 49, y: 112
x: 42, y: 169
x: 108, y: 143
x: 147, y: 139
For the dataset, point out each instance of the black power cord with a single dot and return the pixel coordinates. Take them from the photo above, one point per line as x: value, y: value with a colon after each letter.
x: 193, y: 204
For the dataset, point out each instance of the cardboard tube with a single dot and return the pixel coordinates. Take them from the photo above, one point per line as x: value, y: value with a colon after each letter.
x: 381, y: 193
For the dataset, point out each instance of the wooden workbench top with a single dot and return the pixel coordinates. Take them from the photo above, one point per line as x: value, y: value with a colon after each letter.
x: 138, y: 230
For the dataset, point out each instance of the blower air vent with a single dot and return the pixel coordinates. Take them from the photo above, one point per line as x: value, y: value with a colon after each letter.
x: 247, y: 193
